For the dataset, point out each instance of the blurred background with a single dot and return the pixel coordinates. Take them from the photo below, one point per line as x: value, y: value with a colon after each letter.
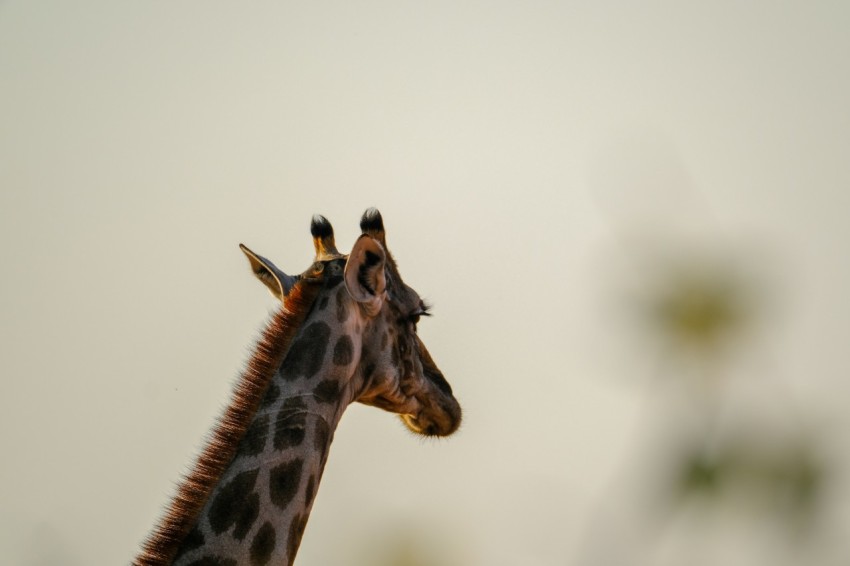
x: 632, y: 219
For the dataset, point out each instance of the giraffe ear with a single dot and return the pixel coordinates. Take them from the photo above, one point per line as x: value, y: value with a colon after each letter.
x: 278, y: 282
x: 364, y: 274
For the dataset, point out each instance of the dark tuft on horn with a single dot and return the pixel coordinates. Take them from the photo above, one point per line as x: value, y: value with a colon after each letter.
x: 372, y: 221
x: 320, y: 227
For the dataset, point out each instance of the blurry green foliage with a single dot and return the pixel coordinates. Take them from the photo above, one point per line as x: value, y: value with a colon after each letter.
x: 787, y: 483
x: 700, y: 306
x: 697, y: 307
x: 699, y: 475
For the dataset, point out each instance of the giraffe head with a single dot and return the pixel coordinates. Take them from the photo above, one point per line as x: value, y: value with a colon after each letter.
x: 391, y: 367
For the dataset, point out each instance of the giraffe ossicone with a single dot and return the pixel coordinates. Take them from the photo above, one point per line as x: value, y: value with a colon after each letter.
x: 345, y: 332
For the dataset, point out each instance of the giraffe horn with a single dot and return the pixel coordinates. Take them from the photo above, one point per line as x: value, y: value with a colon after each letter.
x: 372, y: 223
x: 323, y: 238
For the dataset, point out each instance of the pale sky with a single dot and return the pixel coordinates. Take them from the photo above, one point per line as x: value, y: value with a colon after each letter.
x: 531, y: 161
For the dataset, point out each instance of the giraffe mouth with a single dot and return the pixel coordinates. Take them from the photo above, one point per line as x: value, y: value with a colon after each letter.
x: 423, y: 428
x: 436, y: 418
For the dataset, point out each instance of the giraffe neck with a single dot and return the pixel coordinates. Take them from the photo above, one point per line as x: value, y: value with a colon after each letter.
x: 257, y: 511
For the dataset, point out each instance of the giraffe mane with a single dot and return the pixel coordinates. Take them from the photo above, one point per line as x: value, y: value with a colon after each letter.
x: 193, y: 491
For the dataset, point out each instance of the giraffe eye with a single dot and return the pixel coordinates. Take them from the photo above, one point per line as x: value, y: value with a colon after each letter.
x: 415, y: 315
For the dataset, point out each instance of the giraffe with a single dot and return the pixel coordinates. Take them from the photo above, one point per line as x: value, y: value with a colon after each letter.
x: 346, y: 332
